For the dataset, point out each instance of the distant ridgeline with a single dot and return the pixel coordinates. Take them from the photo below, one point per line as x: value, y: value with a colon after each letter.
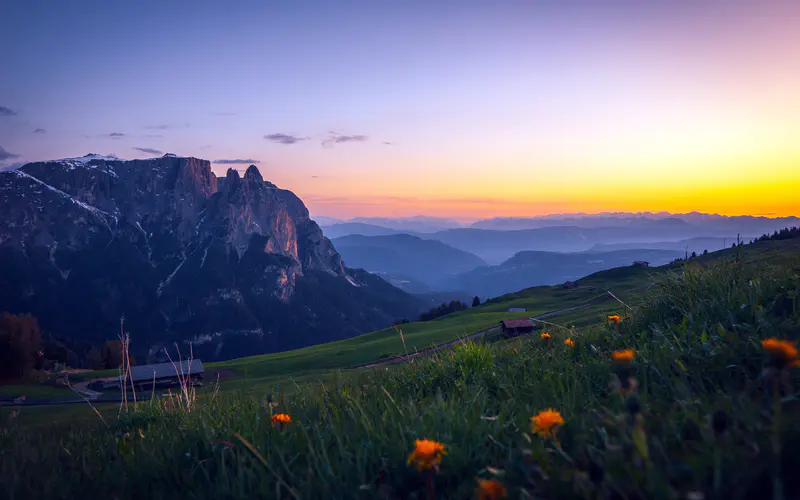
x: 233, y: 265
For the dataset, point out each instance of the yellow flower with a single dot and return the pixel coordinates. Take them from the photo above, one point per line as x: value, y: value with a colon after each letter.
x: 546, y: 336
x: 491, y: 489
x: 624, y: 357
x: 569, y: 343
x: 282, y: 418
x: 614, y: 318
x: 427, y: 454
x: 783, y: 352
x: 546, y: 423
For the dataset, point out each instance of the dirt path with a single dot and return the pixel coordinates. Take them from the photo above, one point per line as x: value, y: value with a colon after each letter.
x: 473, y: 336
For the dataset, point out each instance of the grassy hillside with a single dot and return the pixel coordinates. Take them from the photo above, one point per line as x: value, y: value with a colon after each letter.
x: 701, y: 409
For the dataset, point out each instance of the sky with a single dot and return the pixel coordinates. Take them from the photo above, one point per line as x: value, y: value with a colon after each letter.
x: 462, y: 109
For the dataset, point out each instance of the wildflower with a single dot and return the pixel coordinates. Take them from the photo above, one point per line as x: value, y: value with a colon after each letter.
x: 614, y: 318
x: 569, y: 343
x: 141, y: 433
x: 545, y: 336
x: 783, y: 352
x: 623, y: 357
x: 546, y: 423
x: 490, y: 489
x: 281, y: 418
x: 427, y: 454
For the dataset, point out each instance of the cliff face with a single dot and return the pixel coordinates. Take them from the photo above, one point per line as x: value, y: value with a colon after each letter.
x: 233, y: 265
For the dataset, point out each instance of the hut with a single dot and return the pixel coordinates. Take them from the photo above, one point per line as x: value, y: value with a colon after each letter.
x: 641, y: 263
x: 514, y: 327
x: 570, y: 284
x: 516, y: 309
x: 162, y: 375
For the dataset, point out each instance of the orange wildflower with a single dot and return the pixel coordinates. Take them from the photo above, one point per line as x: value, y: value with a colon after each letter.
x: 491, y: 489
x: 546, y: 422
x: 427, y: 454
x: 569, y: 343
x: 281, y: 418
x: 624, y: 357
x: 783, y: 352
x: 545, y: 336
x: 614, y: 318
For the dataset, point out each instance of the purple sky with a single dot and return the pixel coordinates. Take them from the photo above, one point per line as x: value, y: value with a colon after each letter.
x: 482, y: 102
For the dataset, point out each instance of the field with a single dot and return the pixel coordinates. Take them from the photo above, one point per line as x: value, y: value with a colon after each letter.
x: 701, y: 410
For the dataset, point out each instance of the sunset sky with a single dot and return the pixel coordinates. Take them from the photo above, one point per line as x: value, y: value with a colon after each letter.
x: 452, y: 108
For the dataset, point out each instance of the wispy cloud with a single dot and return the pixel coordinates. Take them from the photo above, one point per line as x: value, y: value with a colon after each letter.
x: 5, y: 155
x: 156, y: 127
x: 150, y: 151
x: 387, y: 143
x: 39, y: 131
x: 336, y: 138
x: 116, y: 135
x: 4, y: 111
x: 284, y: 138
x: 248, y: 161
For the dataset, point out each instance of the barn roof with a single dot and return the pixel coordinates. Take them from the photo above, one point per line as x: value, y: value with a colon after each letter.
x: 162, y: 370
x: 517, y: 323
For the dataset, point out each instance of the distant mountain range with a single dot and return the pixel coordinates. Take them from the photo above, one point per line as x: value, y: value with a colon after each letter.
x: 497, y: 240
x: 533, y: 268
x: 408, y: 262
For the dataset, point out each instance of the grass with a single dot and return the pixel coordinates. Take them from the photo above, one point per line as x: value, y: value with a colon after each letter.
x: 36, y: 391
x: 695, y: 413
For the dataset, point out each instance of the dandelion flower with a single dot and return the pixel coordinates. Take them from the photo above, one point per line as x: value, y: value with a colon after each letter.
x: 545, y: 336
x: 614, y: 318
x: 623, y: 357
x: 491, y: 489
x: 782, y: 352
x: 281, y: 418
x: 569, y: 343
x: 427, y: 454
x: 546, y: 423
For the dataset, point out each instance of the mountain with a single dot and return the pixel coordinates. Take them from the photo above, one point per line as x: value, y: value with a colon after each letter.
x: 402, y: 257
x: 497, y: 246
x: 532, y: 268
x: 232, y: 265
x: 347, y: 228
x: 690, y: 245
x: 746, y: 224
x: 416, y: 224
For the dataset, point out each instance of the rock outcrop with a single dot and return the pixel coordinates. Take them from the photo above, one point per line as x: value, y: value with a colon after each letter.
x: 233, y: 265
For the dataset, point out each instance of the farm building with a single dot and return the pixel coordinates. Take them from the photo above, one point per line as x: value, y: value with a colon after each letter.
x: 516, y: 309
x: 162, y: 374
x: 570, y: 284
x: 514, y: 327
x: 640, y: 263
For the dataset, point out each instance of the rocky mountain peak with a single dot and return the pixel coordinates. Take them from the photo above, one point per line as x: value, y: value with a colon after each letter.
x: 175, y: 249
x: 252, y: 174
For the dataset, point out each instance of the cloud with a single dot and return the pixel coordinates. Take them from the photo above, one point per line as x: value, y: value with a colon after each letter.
x: 157, y: 127
x: 154, y: 136
x: 4, y: 111
x: 116, y: 135
x: 150, y: 151
x: 237, y: 161
x: 39, y: 131
x: 284, y: 138
x: 5, y: 155
x: 388, y: 143
x: 341, y: 138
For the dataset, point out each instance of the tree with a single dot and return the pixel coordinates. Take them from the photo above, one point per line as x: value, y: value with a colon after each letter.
x: 112, y: 354
x: 476, y: 301
x: 694, y: 255
x: 20, y: 345
x: 705, y: 252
